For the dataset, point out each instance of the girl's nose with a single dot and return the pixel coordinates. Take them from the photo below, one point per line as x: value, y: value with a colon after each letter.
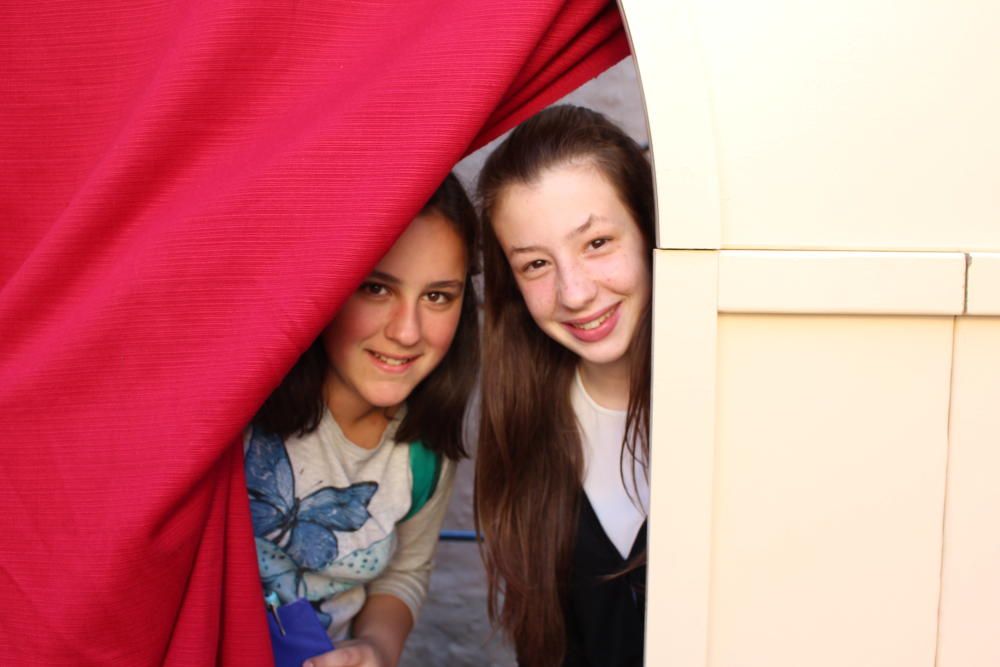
x: 404, y: 325
x: 577, y: 288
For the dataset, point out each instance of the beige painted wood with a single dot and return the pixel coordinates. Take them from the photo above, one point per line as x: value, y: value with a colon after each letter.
x: 679, y: 114
x: 831, y: 441
x: 859, y: 124
x: 970, y: 598
x: 984, y: 284
x: 899, y: 283
x: 683, y: 442
x: 833, y: 158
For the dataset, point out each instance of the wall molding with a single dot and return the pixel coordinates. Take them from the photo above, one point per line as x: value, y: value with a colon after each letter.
x: 842, y: 282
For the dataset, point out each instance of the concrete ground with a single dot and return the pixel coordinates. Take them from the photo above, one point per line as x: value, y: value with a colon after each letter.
x: 452, y: 630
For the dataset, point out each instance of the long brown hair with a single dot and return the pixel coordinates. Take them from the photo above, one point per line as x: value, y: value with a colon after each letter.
x: 436, y: 407
x: 529, y: 463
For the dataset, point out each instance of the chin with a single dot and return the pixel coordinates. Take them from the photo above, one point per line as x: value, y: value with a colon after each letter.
x: 388, y: 398
x: 611, y: 357
x: 607, y: 352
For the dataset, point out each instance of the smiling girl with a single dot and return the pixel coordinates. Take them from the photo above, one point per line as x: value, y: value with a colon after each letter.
x: 561, y: 475
x: 336, y: 455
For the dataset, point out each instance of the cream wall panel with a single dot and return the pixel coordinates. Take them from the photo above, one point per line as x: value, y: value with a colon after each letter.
x: 831, y: 444
x: 899, y: 283
x: 676, y: 93
x: 860, y: 124
x: 857, y: 124
x: 683, y: 445
x: 970, y: 597
x: 984, y: 284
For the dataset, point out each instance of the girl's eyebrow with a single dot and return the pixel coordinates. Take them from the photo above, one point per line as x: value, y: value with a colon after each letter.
x: 446, y: 284
x: 591, y: 220
x: 582, y: 228
x: 384, y: 277
x: 528, y: 248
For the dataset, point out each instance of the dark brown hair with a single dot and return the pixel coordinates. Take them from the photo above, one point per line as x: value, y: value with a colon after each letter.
x: 529, y: 462
x: 436, y: 407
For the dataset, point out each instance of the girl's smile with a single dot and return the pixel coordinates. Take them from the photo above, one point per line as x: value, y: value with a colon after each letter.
x: 392, y: 363
x: 593, y: 329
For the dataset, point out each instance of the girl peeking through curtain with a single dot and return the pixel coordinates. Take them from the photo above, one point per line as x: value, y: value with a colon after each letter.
x: 350, y: 462
x: 561, y: 471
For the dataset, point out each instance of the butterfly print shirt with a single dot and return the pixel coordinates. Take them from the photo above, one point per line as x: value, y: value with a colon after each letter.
x: 326, y: 516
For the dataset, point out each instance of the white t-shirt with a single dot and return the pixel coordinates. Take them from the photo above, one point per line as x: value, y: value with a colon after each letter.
x: 601, y: 431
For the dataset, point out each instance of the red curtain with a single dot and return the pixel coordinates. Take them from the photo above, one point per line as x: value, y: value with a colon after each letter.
x: 188, y: 190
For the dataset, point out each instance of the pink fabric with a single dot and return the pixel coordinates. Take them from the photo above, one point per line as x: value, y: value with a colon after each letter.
x: 188, y: 190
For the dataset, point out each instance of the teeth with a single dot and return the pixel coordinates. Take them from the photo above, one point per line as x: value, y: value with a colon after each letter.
x: 391, y: 362
x: 593, y: 324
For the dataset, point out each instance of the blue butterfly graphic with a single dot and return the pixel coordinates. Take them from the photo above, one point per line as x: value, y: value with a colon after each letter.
x: 283, y: 576
x: 306, y: 524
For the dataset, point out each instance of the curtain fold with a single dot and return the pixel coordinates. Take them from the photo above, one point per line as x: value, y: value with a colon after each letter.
x: 188, y: 191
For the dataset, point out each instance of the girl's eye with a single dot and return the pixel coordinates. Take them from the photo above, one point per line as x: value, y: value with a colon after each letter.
x: 533, y: 265
x: 374, y: 289
x: 597, y: 243
x: 439, y: 297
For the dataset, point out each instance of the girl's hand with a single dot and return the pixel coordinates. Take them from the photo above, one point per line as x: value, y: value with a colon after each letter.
x: 349, y: 653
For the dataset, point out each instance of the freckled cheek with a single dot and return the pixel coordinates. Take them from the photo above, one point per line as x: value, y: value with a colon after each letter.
x: 355, y: 323
x: 539, y: 297
x: 622, y: 277
x: 440, y: 328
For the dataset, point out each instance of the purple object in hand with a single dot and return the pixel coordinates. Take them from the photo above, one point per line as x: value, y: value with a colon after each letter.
x: 300, y: 635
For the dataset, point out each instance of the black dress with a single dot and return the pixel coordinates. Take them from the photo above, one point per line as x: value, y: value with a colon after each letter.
x: 605, y: 619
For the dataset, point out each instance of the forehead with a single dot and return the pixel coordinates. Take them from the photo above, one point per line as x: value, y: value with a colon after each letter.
x: 430, y: 249
x: 548, y: 210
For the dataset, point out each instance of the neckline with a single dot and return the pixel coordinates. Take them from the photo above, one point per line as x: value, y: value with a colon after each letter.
x: 611, y: 412
x: 332, y: 427
x: 609, y: 545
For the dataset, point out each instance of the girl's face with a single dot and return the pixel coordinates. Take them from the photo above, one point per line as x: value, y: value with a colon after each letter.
x: 579, y: 260
x: 397, y: 327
